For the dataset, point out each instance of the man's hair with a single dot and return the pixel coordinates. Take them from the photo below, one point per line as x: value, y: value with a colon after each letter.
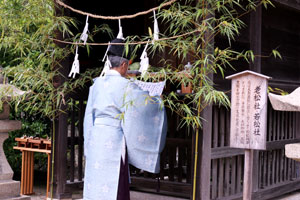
x: 116, y: 61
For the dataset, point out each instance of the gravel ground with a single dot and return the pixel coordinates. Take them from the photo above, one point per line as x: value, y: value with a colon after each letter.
x: 40, y: 194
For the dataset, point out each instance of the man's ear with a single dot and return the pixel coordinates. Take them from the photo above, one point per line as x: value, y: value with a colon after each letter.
x: 123, y: 65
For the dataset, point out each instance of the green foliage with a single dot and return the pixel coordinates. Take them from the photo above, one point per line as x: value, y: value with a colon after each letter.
x: 31, y: 126
x: 31, y: 59
x: 210, y: 18
x: 277, y: 91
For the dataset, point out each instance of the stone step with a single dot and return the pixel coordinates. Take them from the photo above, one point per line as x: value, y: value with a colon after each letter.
x: 9, y: 188
x: 134, y: 195
x: 19, y: 198
x: 148, y: 196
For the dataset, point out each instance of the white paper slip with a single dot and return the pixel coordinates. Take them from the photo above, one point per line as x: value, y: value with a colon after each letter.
x: 154, y: 89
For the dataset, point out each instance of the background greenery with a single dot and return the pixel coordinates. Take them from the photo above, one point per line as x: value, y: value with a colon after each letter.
x: 34, y: 126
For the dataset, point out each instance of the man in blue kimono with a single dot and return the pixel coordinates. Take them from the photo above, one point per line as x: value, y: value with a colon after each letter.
x: 122, y: 125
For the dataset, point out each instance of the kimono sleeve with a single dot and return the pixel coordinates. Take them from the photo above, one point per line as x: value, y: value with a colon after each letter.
x: 145, y: 129
x: 88, y: 121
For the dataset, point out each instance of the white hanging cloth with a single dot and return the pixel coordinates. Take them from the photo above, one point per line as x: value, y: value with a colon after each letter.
x: 107, y: 64
x: 106, y: 68
x: 120, y: 34
x: 75, y: 65
x: 154, y: 89
x: 84, y: 35
x: 156, y: 29
x: 144, y: 63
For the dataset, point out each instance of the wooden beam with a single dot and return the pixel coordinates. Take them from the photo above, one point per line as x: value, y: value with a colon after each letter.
x: 32, y: 149
x: 205, y: 136
x: 203, y: 175
x: 222, y: 152
x: 59, y: 141
x: 60, y: 155
x: 269, y: 193
x: 172, y: 188
x: 276, y: 191
x: 255, y: 38
x: 294, y: 4
x: 247, y: 184
x: 281, y: 144
x: 255, y: 46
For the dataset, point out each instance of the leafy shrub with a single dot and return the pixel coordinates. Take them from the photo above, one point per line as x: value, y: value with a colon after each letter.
x: 31, y: 126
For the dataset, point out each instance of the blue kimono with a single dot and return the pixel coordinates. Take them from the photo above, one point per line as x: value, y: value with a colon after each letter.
x: 119, y: 116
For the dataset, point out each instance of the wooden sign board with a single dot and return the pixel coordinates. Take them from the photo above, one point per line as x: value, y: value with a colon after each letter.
x: 248, y: 123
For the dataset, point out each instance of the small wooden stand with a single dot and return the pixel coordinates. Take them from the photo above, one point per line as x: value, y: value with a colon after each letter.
x: 28, y: 146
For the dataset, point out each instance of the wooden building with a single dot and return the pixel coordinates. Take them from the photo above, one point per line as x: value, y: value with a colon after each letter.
x: 220, y: 168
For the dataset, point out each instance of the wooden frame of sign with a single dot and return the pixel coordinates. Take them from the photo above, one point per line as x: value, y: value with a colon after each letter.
x: 248, y: 123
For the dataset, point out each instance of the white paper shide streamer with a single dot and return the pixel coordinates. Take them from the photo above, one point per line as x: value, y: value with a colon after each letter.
x: 84, y: 35
x: 144, y: 63
x: 156, y: 29
x: 154, y: 89
x: 120, y: 34
x: 107, y: 64
x: 75, y: 65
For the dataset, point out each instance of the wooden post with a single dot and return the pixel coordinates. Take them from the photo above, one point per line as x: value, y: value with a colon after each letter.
x: 248, y: 170
x: 22, y: 173
x: 27, y: 172
x: 256, y: 45
x: 48, y: 174
x: 59, y: 142
x: 204, y: 142
x: 60, y: 155
x: 255, y: 38
x: 248, y: 126
x: 205, y: 154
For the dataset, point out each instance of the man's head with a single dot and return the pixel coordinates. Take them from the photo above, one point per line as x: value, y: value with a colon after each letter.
x: 119, y: 64
x: 116, y: 55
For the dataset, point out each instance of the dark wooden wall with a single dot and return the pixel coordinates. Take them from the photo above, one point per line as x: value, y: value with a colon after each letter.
x: 281, y: 30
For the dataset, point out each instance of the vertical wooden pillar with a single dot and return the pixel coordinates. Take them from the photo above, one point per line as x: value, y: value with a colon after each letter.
x: 48, y: 174
x: 204, y: 142
x: 255, y: 46
x: 27, y: 172
x: 60, y: 155
x: 81, y: 139
x: 297, y: 132
x: 255, y: 38
x: 59, y: 144
x: 59, y: 147
x: 205, y: 154
x: 247, y: 185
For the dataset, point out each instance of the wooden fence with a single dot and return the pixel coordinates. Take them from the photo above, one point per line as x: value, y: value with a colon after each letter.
x: 274, y: 174
x: 272, y: 170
